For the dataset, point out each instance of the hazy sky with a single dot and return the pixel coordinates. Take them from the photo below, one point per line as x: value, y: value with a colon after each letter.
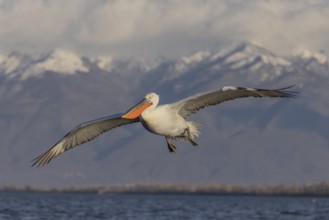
x: 166, y: 27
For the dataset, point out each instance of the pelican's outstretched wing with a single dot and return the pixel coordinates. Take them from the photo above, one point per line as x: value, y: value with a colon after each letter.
x: 81, y: 134
x: 193, y: 104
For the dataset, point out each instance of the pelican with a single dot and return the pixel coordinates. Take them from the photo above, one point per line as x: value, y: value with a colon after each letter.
x: 169, y: 120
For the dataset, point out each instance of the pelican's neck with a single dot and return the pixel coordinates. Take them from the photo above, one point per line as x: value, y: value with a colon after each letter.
x: 154, y: 104
x: 154, y: 98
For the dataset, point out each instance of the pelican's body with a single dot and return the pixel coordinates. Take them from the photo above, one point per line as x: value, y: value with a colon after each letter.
x: 169, y: 120
x: 166, y: 121
x: 163, y: 120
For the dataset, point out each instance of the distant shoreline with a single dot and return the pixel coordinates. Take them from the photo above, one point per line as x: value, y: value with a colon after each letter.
x: 319, y: 189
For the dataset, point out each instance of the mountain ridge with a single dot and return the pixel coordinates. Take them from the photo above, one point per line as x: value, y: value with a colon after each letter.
x: 245, y: 56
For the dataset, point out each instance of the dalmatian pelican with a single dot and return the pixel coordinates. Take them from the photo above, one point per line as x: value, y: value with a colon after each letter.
x: 168, y: 120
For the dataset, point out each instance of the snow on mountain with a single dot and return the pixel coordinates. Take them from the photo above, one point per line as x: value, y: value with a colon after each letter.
x: 8, y: 64
x: 254, y: 56
x: 196, y: 57
x: 25, y: 66
x: 245, y: 57
x: 184, y: 64
x: 60, y: 61
x: 319, y: 57
x: 103, y: 62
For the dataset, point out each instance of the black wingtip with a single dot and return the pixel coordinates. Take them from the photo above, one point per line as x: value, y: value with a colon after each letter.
x: 289, y: 93
x: 36, y: 161
x: 41, y: 160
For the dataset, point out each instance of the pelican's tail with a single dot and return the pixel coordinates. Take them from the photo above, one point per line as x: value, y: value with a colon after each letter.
x: 194, y: 127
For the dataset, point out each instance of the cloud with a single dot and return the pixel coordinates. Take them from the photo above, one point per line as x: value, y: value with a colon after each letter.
x: 36, y: 24
x: 171, y: 28
x: 284, y: 25
x: 148, y: 25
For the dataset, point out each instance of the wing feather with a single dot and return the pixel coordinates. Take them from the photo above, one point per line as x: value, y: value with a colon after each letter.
x: 193, y: 104
x: 81, y: 134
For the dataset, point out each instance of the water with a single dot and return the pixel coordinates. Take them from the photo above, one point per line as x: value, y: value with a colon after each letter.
x: 35, y: 206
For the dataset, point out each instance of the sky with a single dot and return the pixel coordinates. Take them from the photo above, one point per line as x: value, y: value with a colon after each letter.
x: 166, y: 28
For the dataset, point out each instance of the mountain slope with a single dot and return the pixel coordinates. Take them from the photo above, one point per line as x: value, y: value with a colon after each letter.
x: 242, y: 141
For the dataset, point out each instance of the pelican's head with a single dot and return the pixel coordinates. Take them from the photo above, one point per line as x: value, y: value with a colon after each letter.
x: 150, y: 101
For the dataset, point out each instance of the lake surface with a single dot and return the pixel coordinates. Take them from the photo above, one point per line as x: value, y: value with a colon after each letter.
x: 37, y: 206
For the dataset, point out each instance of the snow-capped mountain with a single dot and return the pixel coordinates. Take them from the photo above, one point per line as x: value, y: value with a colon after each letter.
x: 24, y: 66
x: 243, y: 58
x: 248, y: 140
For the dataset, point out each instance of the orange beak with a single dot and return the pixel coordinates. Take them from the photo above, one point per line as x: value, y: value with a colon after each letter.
x: 137, y: 110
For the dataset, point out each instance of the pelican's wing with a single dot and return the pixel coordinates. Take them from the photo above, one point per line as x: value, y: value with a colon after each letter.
x: 193, y: 104
x: 81, y: 134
